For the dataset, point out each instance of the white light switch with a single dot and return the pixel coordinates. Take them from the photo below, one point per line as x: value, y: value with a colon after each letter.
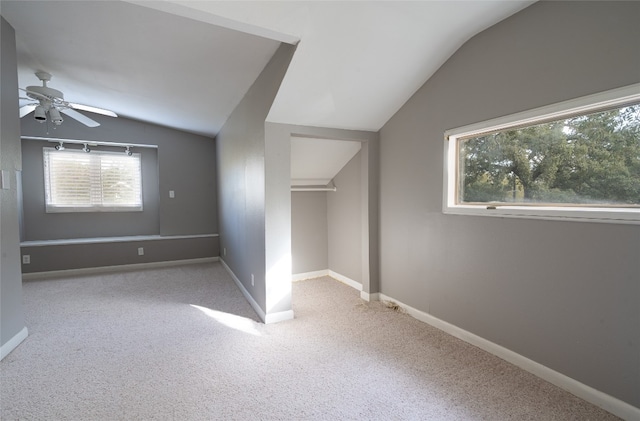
x: 6, y: 182
x: 172, y: 194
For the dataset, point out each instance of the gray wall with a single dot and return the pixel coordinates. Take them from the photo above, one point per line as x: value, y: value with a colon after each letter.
x: 183, y: 162
x: 11, y: 311
x: 564, y: 294
x: 345, y: 222
x: 39, y: 225
x: 98, y: 255
x: 361, y: 184
x: 241, y: 164
x: 351, y: 213
x: 186, y: 164
x: 309, y: 231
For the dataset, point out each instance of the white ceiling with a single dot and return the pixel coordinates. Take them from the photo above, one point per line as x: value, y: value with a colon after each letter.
x: 139, y: 62
x: 187, y: 64
x: 315, y: 162
x: 357, y: 62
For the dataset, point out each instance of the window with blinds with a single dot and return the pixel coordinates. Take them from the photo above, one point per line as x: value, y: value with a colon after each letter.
x: 99, y: 181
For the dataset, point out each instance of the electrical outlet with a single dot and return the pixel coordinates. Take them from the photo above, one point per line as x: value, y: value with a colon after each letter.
x: 224, y: 251
x: 26, y: 259
x: 172, y: 194
x: 140, y: 251
x: 253, y: 281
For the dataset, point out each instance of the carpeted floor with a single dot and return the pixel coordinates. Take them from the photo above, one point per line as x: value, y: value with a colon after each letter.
x: 182, y: 343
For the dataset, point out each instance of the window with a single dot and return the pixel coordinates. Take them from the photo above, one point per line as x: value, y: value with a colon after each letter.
x: 76, y: 181
x: 576, y: 160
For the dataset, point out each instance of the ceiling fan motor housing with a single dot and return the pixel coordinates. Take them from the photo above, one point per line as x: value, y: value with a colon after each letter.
x: 50, y: 93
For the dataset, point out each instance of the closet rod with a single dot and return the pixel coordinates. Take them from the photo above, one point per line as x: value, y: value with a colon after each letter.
x: 293, y: 188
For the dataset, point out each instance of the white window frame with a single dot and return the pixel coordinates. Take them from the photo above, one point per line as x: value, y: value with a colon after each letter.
x: 57, y: 208
x: 584, y: 105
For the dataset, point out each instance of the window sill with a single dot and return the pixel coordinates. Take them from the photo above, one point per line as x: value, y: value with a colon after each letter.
x: 597, y: 215
x: 132, y: 238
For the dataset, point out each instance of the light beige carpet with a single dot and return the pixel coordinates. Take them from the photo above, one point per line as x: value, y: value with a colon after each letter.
x: 183, y: 344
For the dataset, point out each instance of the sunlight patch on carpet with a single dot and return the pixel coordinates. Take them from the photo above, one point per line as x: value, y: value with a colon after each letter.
x: 232, y: 321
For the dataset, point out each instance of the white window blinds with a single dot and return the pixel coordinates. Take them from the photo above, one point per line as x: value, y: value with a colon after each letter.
x: 76, y: 181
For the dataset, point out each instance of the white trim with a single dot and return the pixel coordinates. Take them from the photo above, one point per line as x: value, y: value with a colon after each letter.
x: 101, y: 240
x: 266, y: 318
x: 13, y: 343
x: 309, y: 275
x: 254, y: 304
x: 338, y: 277
x: 582, y: 105
x: 299, y: 189
x: 581, y: 390
x: 353, y: 284
x: 370, y: 297
x: 56, y: 163
x: 194, y: 13
x: 115, y: 268
x: 279, y: 316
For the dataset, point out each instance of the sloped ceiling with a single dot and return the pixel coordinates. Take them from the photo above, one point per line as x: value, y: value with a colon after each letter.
x: 315, y: 162
x: 187, y: 64
x: 139, y: 62
x: 357, y: 62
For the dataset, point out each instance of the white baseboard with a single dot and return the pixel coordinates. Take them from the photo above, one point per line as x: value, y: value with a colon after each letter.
x: 370, y: 297
x: 116, y: 268
x: 589, y: 394
x: 309, y: 275
x: 266, y: 318
x: 327, y: 272
x: 13, y: 342
x: 280, y: 316
x: 353, y: 284
x: 254, y: 304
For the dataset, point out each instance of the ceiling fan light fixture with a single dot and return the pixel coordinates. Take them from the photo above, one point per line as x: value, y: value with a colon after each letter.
x: 49, y: 100
x: 40, y: 114
x: 56, y: 118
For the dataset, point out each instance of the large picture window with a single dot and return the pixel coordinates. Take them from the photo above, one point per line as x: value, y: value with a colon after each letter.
x: 578, y: 160
x: 76, y: 181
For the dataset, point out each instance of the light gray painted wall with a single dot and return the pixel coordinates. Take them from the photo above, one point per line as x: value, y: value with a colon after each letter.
x: 186, y: 164
x: 309, y: 231
x: 81, y: 256
x: 345, y: 221
x: 182, y: 162
x: 564, y: 294
x: 11, y: 311
x: 241, y: 154
x: 369, y: 178
x: 39, y: 225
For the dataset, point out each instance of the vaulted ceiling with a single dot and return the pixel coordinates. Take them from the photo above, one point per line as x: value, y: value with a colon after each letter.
x: 186, y: 65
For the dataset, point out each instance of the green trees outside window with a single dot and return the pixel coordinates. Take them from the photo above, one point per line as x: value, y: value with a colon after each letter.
x: 589, y: 159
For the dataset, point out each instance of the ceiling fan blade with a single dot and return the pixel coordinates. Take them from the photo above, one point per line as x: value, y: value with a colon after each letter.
x: 26, y: 109
x: 81, y: 118
x: 91, y: 109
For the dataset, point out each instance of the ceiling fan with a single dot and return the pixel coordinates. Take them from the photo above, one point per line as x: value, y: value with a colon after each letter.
x: 51, y: 101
